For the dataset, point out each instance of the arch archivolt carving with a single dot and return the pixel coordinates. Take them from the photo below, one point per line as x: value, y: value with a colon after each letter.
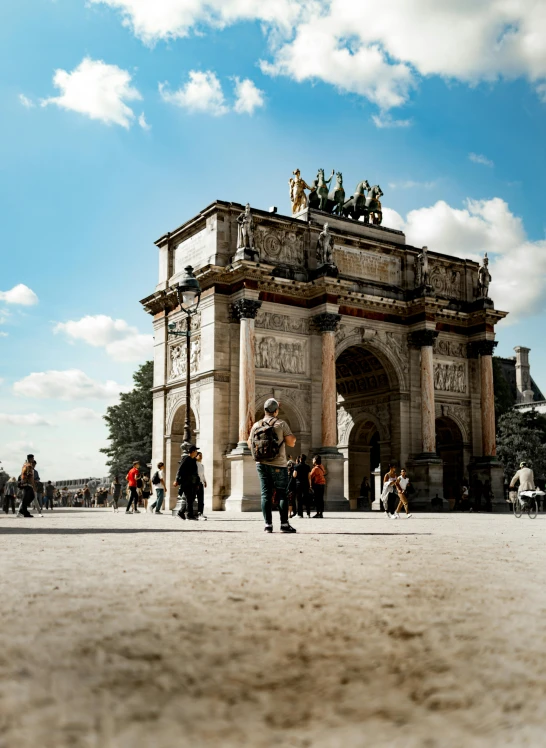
x: 391, y: 349
x: 348, y: 420
x: 176, y: 399
x: 459, y: 414
x: 299, y: 401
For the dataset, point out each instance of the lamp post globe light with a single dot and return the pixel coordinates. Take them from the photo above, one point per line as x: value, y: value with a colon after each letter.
x: 188, y: 292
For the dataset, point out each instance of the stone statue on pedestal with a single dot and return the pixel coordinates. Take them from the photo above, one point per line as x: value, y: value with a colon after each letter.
x: 484, y: 279
x: 325, y: 247
x: 421, y: 268
x: 297, y: 192
x: 245, y: 232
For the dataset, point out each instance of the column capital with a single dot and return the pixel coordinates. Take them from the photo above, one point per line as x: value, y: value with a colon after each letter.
x: 481, y: 348
x: 422, y: 338
x: 245, y: 309
x: 327, y: 322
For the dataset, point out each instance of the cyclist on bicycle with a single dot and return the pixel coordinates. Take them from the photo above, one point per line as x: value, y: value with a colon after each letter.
x: 526, y: 478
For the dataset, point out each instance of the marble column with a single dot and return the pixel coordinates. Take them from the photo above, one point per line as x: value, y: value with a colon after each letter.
x: 424, y: 339
x: 484, y: 349
x: 328, y: 324
x: 246, y: 310
x: 245, y: 487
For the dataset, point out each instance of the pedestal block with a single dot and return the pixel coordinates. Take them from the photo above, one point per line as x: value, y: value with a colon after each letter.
x: 245, y: 485
x: 490, y: 469
x: 334, y: 499
x: 427, y: 476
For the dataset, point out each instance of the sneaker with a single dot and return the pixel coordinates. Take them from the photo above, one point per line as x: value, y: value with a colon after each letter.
x: 288, y: 528
x: 158, y: 512
x: 409, y: 516
x: 181, y: 515
x: 136, y: 511
x: 194, y: 518
x: 316, y: 516
x: 388, y: 515
x: 127, y: 511
x: 268, y: 528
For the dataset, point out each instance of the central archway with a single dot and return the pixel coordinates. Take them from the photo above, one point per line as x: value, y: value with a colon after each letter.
x: 367, y: 386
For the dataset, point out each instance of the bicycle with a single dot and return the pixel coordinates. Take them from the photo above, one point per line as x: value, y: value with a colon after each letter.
x: 526, y: 501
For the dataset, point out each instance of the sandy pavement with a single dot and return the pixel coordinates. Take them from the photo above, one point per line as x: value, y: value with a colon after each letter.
x: 132, y: 631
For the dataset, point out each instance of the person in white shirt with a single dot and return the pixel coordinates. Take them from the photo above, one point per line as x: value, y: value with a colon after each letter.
x: 158, y: 482
x: 402, y: 486
x: 201, y: 487
x: 526, y: 478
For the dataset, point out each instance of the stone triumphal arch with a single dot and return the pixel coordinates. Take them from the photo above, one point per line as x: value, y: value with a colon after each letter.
x: 378, y: 351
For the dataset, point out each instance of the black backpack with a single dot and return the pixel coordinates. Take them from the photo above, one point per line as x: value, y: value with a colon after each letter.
x: 265, y: 445
x: 155, y: 478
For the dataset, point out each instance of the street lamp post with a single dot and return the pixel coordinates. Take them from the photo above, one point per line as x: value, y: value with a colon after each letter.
x: 188, y: 292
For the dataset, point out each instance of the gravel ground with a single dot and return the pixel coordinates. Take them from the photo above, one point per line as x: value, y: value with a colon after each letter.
x: 136, y: 631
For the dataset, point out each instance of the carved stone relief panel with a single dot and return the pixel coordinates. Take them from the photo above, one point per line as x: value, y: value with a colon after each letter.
x: 281, y: 322
x: 284, y: 355
x: 180, y: 324
x: 279, y: 246
x: 446, y: 280
x: 300, y: 397
x: 176, y: 398
x: 449, y: 348
x: 177, y: 359
x: 366, y: 265
x: 449, y: 377
x: 347, y: 418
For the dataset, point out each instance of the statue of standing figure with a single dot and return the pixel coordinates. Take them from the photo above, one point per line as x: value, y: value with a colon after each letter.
x: 325, y: 247
x: 484, y: 279
x: 421, y: 268
x: 297, y: 192
x: 245, y: 232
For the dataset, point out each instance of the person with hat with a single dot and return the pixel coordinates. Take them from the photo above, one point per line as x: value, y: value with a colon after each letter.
x: 526, y: 478
x: 268, y: 440
x: 187, y: 480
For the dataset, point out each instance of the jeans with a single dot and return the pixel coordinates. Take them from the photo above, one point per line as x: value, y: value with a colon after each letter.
x: 28, y: 496
x: 200, y: 498
x: 133, y: 498
x: 304, y: 500
x: 273, y: 479
x: 159, y: 496
x: 9, y: 500
x: 48, y: 502
x: 318, y: 490
x: 187, y: 493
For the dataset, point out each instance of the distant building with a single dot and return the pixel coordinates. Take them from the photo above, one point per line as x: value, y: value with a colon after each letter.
x: 517, y: 372
x: 77, y: 484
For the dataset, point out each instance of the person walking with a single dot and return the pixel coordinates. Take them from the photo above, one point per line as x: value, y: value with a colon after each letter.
x: 291, y: 488
x: 133, y: 479
x: 402, y: 488
x: 388, y: 495
x: 268, y: 440
x: 37, y: 501
x: 187, y: 479
x: 201, y: 487
x: 146, y: 490
x: 10, y: 494
x: 115, y: 490
x: 27, y: 486
x: 158, y: 481
x: 49, y: 494
x: 318, y: 484
x: 302, y: 473
x: 86, y: 496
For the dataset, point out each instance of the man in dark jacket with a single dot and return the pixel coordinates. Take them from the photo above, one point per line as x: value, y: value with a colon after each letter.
x: 187, y: 480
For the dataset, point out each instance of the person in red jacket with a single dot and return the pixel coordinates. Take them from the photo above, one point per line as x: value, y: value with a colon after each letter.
x: 133, y: 477
x: 318, y: 484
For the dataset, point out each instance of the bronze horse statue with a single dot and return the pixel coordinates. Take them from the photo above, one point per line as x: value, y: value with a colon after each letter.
x: 318, y: 197
x: 373, y: 206
x: 356, y: 205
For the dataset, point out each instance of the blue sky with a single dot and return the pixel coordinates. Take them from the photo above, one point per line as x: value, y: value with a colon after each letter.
x: 444, y: 107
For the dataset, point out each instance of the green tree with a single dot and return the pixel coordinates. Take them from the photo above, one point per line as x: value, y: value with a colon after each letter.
x: 522, y: 436
x: 130, y: 425
x: 504, y: 398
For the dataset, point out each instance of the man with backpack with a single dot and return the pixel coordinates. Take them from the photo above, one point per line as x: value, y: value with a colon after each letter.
x: 268, y: 441
x: 158, y: 482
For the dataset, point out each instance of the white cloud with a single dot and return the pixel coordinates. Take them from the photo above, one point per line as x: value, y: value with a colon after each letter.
x: 478, y: 158
x: 20, y: 294
x: 26, y: 419
x: 384, y: 120
x: 25, y: 101
x: 518, y: 265
x: 248, y: 96
x: 375, y: 51
x: 98, y: 90
x: 71, y: 384
x: 202, y: 93
x: 4, y: 335
x: 541, y: 92
x: 80, y: 414
x: 120, y: 340
x: 142, y: 122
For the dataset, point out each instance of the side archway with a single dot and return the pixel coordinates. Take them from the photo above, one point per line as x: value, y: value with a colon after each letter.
x: 450, y: 448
